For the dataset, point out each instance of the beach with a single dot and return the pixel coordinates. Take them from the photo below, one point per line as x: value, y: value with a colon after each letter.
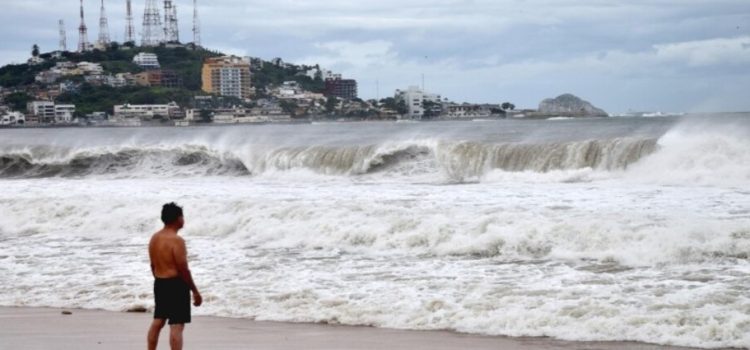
x: 41, y: 328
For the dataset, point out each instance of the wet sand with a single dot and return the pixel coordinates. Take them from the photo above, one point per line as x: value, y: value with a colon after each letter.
x: 33, y: 328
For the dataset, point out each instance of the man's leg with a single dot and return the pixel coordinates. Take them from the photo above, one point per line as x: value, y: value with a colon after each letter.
x: 153, y: 332
x: 175, y: 336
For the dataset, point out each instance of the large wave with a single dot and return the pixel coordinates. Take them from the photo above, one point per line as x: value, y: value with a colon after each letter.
x: 456, y: 160
x: 691, y: 152
x: 39, y: 162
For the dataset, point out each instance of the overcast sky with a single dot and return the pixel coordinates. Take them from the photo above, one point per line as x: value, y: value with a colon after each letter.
x: 655, y: 55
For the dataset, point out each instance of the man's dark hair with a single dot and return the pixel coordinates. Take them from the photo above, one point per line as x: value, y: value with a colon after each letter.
x: 170, y: 212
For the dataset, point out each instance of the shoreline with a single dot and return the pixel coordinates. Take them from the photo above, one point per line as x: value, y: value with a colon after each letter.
x: 44, y: 328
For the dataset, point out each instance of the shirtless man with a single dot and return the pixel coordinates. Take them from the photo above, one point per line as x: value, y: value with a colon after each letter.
x: 172, y: 279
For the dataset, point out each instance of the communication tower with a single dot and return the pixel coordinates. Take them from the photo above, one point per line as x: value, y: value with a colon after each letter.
x: 129, y: 28
x: 152, y: 29
x: 103, y: 28
x: 171, y: 29
x: 83, y: 39
x: 63, y: 37
x: 196, y: 25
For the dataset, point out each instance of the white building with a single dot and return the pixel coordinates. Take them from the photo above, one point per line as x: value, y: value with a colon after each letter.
x: 64, y: 113
x: 117, y: 81
x: 324, y: 74
x: 89, y: 68
x: 414, y: 98
x: 147, y: 60
x: 44, y: 110
x: 48, y: 77
x: 13, y: 118
x: 129, y: 111
x: 35, y: 60
x: 467, y: 110
x: 48, y: 112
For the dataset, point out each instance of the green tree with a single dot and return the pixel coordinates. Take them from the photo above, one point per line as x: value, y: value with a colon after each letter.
x: 206, y: 116
x: 35, y: 50
x: 331, y: 104
x: 508, y: 106
x: 289, y: 107
x: 18, y: 100
x: 398, y: 105
x: 16, y: 75
x: 401, y: 107
x: 497, y: 111
x: 432, y: 109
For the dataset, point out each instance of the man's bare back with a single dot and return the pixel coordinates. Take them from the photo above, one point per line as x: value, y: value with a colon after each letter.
x: 173, y: 282
x: 163, y: 250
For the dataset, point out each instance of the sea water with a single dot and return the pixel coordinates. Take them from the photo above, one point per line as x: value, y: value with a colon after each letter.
x: 593, y: 229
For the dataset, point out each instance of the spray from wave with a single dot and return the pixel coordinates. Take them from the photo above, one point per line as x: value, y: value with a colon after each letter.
x: 458, y: 161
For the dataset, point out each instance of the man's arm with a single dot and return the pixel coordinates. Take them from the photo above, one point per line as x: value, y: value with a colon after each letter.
x: 180, y: 255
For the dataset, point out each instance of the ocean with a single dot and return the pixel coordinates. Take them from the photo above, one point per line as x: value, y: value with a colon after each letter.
x: 585, y: 229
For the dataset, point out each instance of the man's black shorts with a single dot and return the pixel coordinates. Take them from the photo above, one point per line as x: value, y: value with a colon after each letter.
x: 172, y: 297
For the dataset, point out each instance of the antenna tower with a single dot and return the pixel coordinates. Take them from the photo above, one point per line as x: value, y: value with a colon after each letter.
x: 129, y: 29
x: 152, y: 30
x: 103, y: 28
x: 83, y: 39
x: 171, y: 30
x: 196, y: 25
x: 63, y: 37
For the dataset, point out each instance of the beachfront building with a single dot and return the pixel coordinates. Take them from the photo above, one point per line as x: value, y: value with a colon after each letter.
x: 48, y: 112
x: 227, y: 76
x: 147, y: 60
x: 415, y: 98
x: 147, y: 112
x: 43, y: 111
x: 64, y: 113
x: 470, y: 111
x: 341, y: 88
x: 13, y: 118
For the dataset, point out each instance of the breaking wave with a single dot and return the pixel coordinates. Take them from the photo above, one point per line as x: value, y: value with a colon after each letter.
x: 458, y: 161
x: 122, y: 161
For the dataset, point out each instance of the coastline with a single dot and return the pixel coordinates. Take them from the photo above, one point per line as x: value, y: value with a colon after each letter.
x: 45, y: 328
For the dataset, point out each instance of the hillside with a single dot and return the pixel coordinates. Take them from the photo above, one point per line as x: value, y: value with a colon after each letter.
x: 186, y: 63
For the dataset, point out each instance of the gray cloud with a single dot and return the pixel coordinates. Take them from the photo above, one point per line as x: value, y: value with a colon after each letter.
x: 677, y: 55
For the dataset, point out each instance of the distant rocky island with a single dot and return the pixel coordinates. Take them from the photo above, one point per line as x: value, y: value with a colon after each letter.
x: 567, y: 105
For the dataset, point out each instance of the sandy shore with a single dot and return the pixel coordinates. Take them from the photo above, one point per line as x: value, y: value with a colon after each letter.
x: 30, y: 328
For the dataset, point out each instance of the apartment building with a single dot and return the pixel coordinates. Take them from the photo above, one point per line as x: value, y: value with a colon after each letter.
x: 147, y: 60
x: 415, y: 98
x: 129, y: 111
x: 341, y: 88
x: 227, y: 76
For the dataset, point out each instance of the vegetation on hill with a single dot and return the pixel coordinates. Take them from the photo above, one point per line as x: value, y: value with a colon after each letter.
x: 17, y: 75
x: 186, y: 63
x: 18, y: 100
x: 89, y: 99
x: 270, y: 74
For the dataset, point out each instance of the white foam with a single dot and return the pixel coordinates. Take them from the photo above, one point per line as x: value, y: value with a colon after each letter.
x: 586, y: 239
x: 576, y: 261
